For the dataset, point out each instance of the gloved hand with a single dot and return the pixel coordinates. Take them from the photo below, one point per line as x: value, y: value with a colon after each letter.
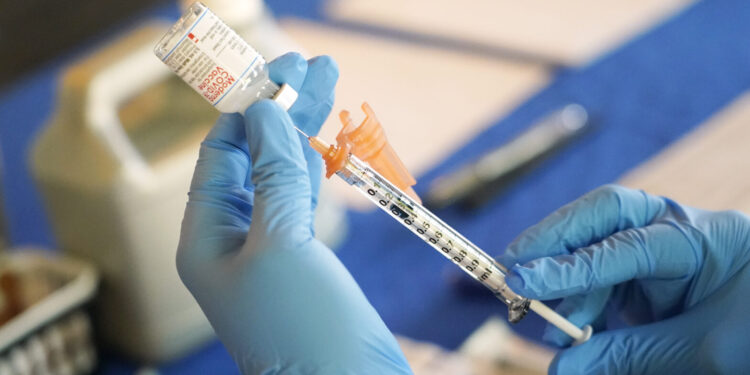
x: 279, y: 300
x: 678, y: 275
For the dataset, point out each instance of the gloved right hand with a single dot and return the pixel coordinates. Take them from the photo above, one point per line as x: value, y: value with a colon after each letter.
x: 279, y: 299
x: 679, y: 275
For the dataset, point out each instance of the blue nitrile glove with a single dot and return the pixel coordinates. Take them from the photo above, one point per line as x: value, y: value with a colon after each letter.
x: 279, y: 300
x: 678, y: 275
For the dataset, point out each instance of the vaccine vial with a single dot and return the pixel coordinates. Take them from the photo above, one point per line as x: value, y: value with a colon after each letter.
x: 217, y: 63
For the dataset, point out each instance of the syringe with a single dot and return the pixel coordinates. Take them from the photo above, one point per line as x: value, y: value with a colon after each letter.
x: 440, y: 236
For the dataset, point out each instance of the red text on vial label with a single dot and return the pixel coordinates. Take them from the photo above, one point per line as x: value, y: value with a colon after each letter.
x: 215, y: 84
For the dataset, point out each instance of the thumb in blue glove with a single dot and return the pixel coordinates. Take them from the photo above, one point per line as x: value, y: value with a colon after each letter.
x: 279, y: 300
x: 679, y: 276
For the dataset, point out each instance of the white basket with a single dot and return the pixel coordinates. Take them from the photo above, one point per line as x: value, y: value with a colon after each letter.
x: 54, y: 335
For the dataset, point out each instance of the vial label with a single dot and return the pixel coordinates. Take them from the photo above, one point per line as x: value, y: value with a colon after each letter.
x: 211, y: 57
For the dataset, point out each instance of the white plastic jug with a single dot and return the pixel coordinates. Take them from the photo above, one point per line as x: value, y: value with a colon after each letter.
x: 113, y: 201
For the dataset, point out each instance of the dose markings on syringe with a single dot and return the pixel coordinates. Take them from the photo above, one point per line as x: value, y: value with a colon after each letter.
x: 448, y: 244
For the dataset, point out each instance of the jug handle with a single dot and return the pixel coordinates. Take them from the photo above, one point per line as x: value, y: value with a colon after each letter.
x: 108, y: 91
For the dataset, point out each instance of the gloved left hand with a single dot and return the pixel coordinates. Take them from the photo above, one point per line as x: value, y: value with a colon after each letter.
x: 679, y: 275
x: 279, y: 300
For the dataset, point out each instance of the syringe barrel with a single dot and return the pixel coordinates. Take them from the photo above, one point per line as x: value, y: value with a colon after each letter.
x: 435, y: 232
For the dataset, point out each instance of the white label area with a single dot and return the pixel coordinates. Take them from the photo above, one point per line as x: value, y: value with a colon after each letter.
x: 211, y: 57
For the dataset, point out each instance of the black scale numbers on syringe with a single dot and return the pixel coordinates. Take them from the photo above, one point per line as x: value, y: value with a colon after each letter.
x: 435, y: 232
x: 405, y: 211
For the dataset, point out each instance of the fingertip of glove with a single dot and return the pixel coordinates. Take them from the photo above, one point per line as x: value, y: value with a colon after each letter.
x: 299, y: 60
x: 515, y: 281
x: 525, y: 282
x: 291, y: 60
x: 328, y: 63
x: 290, y: 68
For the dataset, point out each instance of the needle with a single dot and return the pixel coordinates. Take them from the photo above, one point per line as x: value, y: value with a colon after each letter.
x: 301, y: 132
